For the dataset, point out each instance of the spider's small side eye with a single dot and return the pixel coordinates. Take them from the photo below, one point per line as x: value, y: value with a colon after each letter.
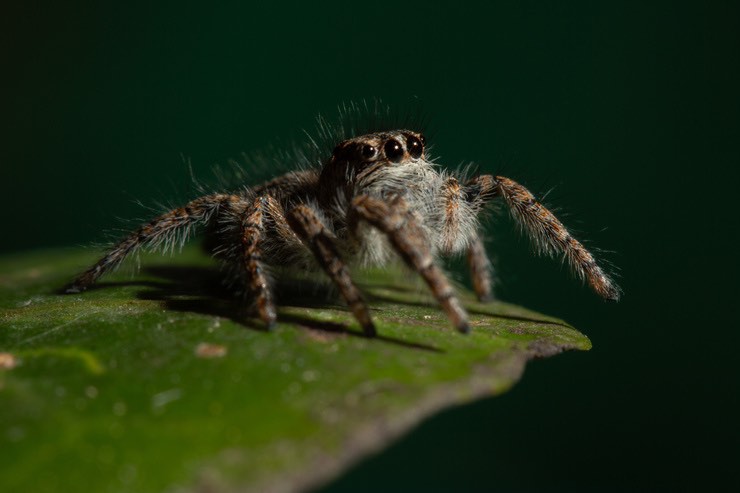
x: 415, y: 146
x: 368, y: 152
x: 393, y: 150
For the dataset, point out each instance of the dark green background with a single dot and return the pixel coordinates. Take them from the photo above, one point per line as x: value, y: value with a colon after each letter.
x: 630, y: 111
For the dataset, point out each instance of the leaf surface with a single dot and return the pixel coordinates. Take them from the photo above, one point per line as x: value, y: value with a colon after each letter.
x: 159, y: 382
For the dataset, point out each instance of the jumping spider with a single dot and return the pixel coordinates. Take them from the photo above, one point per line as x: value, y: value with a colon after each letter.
x: 377, y: 196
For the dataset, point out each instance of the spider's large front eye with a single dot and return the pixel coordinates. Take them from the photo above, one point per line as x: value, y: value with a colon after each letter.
x: 368, y: 152
x: 393, y: 150
x: 415, y: 146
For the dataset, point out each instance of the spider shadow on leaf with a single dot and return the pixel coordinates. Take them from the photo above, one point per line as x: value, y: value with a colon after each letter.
x: 201, y: 290
x: 396, y: 294
x: 385, y: 291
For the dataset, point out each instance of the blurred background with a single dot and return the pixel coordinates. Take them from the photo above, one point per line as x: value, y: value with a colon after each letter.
x: 627, y: 111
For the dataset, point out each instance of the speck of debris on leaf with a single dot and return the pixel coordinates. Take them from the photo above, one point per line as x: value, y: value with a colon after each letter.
x: 7, y: 361
x: 206, y: 350
x: 321, y: 335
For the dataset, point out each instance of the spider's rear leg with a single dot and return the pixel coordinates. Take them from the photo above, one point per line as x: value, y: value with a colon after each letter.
x: 308, y: 226
x: 407, y: 237
x: 164, y: 232
x: 251, y: 237
x: 480, y: 270
x: 544, y: 228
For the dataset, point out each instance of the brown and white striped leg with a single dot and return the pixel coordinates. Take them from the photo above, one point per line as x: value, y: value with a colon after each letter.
x: 455, y: 208
x: 451, y: 191
x: 307, y: 225
x: 544, y: 228
x: 257, y: 283
x: 162, y: 232
x: 480, y: 270
x: 407, y: 237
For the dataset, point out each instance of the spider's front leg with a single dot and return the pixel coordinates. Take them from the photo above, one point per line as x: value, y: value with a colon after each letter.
x: 456, y: 210
x: 252, y: 236
x: 409, y: 240
x: 308, y: 226
x: 163, y: 232
x: 543, y: 227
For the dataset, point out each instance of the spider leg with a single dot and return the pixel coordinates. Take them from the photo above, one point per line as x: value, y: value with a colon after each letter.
x: 455, y: 208
x: 309, y: 227
x: 480, y: 269
x: 407, y: 237
x: 251, y: 239
x: 163, y: 231
x: 544, y: 228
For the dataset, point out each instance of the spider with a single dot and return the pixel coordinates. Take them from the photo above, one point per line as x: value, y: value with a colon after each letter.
x: 376, y: 197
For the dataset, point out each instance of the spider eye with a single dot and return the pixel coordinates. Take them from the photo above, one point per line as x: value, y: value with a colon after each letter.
x: 368, y: 151
x: 415, y: 146
x: 393, y: 150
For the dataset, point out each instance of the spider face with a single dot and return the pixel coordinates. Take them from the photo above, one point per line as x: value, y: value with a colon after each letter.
x: 387, y: 147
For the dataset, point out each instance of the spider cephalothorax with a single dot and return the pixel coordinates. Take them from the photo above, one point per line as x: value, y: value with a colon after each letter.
x: 366, y: 159
x: 375, y: 198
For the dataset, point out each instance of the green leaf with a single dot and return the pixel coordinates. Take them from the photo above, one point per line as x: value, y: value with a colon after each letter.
x: 157, y: 381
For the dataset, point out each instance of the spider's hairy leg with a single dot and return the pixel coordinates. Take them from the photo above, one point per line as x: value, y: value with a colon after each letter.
x: 162, y: 230
x: 545, y: 229
x: 480, y: 269
x: 456, y: 207
x: 251, y: 237
x: 309, y: 227
x: 452, y: 209
x: 409, y: 240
